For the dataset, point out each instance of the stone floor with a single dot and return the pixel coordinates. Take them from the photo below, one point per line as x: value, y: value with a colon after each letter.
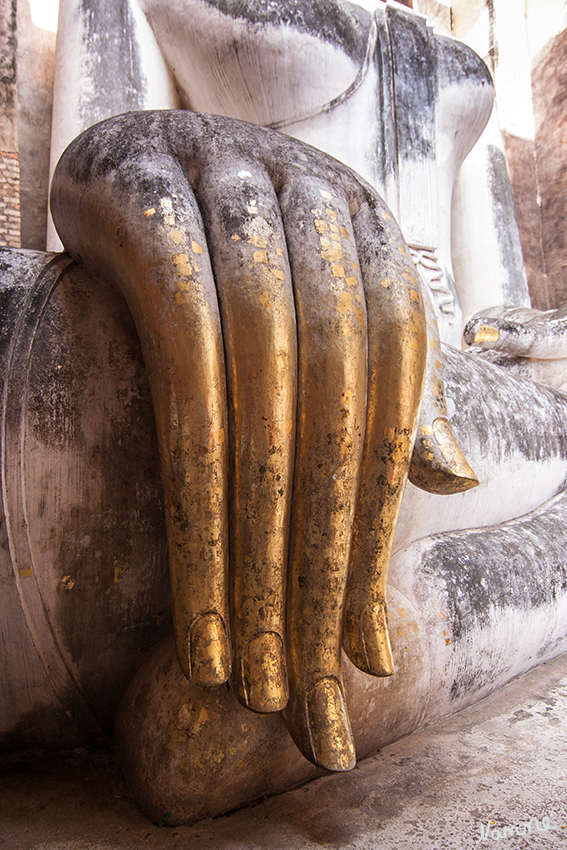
x: 497, y: 765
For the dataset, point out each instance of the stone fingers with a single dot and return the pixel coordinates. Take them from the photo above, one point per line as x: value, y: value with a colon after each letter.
x: 331, y: 319
x: 295, y: 403
x: 138, y: 225
x: 255, y: 292
x: 522, y: 331
x: 438, y: 464
x: 397, y: 347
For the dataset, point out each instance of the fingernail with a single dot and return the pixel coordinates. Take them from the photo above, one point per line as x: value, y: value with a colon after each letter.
x: 487, y: 333
x: 329, y: 727
x: 209, y: 650
x: 451, y: 450
x: 264, y: 677
x: 376, y: 640
x: 438, y: 464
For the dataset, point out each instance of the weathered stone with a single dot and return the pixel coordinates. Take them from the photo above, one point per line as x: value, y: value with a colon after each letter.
x: 521, y: 161
x: 459, y: 605
x: 84, y: 589
x: 36, y: 61
x: 449, y: 646
x: 549, y: 81
x: 9, y: 160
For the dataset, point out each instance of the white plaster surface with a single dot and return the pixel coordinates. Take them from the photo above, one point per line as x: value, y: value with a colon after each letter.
x: 498, y: 764
x: 477, y: 36
x: 44, y: 13
x: 494, y: 501
x: 545, y: 18
x: 512, y: 72
x: 284, y: 77
x: 74, y: 84
x: 509, y: 35
x: 483, y: 278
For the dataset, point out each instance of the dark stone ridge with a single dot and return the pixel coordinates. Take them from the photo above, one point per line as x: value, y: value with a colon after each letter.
x: 337, y: 22
x: 504, y: 213
x: 110, y: 28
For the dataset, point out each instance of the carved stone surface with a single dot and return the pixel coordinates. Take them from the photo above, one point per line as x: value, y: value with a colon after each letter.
x: 36, y: 65
x: 549, y: 85
x: 521, y: 162
x: 283, y: 328
x: 240, y: 261
x: 458, y: 601
x: 84, y: 589
x: 521, y: 43
x: 469, y: 610
x: 382, y: 92
x: 9, y: 160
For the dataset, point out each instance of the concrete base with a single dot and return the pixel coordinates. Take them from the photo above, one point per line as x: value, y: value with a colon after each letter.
x: 502, y: 760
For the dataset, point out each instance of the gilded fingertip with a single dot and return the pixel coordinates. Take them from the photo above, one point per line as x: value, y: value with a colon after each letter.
x: 209, y: 651
x: 263, y: 671
x: 329, y: 727
x: 486, y: 333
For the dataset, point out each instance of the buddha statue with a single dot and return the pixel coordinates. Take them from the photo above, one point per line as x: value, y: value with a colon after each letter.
x: 291, y: 326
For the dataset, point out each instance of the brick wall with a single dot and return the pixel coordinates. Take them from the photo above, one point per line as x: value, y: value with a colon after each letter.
x: 9, y: 163
x: 9, y: 199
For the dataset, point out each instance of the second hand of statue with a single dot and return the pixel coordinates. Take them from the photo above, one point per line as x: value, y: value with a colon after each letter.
x: 284, y: 334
